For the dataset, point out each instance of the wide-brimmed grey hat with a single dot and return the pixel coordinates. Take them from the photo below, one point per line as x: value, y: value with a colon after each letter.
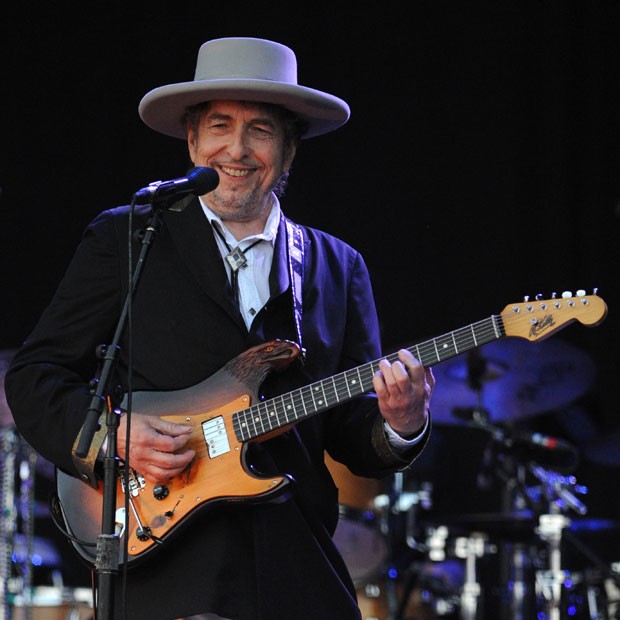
x: 248, y: 69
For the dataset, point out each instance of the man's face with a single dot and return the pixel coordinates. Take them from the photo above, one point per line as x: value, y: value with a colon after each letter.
x: 245, y: 143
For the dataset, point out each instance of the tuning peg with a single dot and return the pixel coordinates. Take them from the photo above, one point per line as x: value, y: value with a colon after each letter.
x: 554, y: 295
x: 580, y: 293
x: 526, y: 298
x: 539, y: 296
x: 566, y: 295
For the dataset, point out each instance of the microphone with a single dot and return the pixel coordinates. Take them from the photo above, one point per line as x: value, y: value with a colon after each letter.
x: 551, y: 451
x: 198, y: 181
x: 536, y: 440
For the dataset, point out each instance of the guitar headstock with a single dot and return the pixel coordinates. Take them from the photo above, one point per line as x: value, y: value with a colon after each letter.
x: 539, y: 318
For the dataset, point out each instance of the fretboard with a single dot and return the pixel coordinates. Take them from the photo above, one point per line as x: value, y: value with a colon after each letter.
x: 292, y: 407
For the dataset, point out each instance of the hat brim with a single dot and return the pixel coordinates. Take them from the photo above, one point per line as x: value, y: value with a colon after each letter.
x: 163, y: 108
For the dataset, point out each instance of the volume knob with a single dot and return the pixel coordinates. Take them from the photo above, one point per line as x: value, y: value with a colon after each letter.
x: 160, y: 491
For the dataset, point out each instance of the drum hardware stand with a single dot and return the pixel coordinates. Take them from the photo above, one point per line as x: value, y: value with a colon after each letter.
x: 26, y: 501
x: 470, y: 549
x: 20, y: 587
x: 550, y: 582
x: 8, y: 517
x: 406, y: 503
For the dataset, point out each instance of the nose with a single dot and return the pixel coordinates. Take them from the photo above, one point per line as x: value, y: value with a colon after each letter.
x: 238, y: 146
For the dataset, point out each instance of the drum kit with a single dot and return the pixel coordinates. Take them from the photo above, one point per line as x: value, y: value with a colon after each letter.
x: 31, y: 580
x: 490, y: 522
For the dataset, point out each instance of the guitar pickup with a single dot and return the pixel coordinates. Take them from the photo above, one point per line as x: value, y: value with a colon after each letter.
x: 216, y: 438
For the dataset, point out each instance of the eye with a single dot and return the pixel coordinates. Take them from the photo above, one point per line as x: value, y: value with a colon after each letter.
x: 217, y: 126
x: 262, y: 131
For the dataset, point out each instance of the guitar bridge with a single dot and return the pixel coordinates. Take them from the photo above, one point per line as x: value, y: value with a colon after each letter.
x: 134, y: 480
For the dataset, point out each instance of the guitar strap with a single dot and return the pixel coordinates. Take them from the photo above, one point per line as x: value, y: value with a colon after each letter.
x: 296, y: 271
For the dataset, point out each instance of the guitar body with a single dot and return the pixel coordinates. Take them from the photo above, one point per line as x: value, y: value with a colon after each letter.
x: 218, y: 473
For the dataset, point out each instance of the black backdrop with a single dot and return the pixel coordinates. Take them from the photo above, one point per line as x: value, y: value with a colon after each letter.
x: 480, y: 164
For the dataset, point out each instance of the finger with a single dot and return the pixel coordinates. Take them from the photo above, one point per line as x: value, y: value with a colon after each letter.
x: 159, y: 466
x: 430, y: 378
x: 166, y: 427
x: 411, y: 363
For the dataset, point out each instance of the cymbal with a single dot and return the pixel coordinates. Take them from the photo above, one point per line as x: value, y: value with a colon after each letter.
x: 511, y: 379
x: 43, y: 553
x: 6, y: 418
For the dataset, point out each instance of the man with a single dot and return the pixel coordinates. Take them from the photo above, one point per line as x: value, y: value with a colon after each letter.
x: 227, y: 272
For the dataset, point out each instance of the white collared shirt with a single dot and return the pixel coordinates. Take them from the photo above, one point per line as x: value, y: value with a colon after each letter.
x: 253, y: 279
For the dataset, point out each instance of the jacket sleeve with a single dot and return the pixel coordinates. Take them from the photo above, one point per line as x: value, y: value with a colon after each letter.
x: 356, y: 435
x: 47, y: 385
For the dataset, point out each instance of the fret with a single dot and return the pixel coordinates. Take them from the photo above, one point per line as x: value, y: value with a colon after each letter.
x: 340, y: 391
x: 236, y: 426
x: 484, y: 334
x: 334, y: 391
x: 307, y: 401
x: 347, y: 383
x: 445, y: 347
x: 298, y: 404
x: 359, y: 385
x: 242, y: 426
x: 323, y: 394
x: 271, y: 418
x: 280, y: 408
x: 251, y: 422
x: 428, y: 356
x: 366, y: 373
x: 312, y: 389
x: 260, y: 416
x: 498, y: 327
x: 288, y: 407
x: 473, y: 333
x: 417, y: 353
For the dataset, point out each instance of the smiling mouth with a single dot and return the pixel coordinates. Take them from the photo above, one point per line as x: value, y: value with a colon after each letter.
x: 234, y: 172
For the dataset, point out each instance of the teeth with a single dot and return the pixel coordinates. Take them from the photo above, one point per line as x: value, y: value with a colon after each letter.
x: 235, y: 173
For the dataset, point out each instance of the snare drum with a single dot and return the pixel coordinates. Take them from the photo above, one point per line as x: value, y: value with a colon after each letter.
x: 358, y: 536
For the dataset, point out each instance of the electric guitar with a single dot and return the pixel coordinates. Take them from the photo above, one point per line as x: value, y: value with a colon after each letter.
x: 226, y: 414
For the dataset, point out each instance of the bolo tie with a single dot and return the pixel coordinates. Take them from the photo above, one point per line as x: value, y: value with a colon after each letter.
x: 237, y: 259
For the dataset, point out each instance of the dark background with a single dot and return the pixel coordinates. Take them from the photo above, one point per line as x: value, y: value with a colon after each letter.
x: 481, y: 164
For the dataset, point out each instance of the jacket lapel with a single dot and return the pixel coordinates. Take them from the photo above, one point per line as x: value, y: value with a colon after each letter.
x: 193, y: 238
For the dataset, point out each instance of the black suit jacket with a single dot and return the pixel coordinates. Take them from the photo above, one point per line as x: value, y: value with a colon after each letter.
x: 268, y: 562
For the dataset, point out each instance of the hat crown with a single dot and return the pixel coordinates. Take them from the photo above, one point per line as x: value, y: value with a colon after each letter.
x: 246, y: 58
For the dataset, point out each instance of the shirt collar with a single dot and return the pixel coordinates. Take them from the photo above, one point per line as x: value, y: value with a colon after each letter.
x: 271, y: 225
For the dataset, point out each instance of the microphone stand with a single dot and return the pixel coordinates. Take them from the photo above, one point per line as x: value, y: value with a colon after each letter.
x: 107, y: 559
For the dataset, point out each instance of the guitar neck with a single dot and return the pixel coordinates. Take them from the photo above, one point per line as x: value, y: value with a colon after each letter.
x: 270, y: 415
